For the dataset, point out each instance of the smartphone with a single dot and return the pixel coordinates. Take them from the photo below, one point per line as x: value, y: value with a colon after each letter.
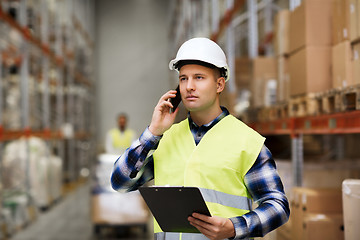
x: 176, y: 100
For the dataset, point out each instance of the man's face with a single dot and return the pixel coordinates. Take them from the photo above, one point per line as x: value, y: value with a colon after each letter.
x: 122, y: 122
x: 198, y: 87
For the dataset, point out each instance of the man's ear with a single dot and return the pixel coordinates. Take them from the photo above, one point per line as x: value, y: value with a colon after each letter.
x: 220, y: 84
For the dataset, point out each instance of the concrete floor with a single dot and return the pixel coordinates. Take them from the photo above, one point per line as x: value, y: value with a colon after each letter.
x: 70, y: 220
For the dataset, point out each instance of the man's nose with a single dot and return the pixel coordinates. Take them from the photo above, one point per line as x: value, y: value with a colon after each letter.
x: 190, y: 84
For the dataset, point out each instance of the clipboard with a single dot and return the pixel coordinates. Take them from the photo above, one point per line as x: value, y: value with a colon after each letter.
x: 171, y: 206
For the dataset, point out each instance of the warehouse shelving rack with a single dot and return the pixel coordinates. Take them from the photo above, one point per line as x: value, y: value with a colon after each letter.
x: 60, y: 50
x: 228, y: 24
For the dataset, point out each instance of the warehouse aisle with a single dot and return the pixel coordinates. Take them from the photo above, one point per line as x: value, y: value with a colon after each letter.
x: 68, y: 220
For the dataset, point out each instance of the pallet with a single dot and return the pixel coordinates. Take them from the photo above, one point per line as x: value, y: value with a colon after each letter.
x: 311, y: 104
x: 270, y: 113
x: 331, y: 101
x: 282, y: 110
x: 328, y: 102
x: 350, y: 98
x: 305, y: 105
x: 341, y: 100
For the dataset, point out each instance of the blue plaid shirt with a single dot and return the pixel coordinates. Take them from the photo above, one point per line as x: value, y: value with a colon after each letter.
x: 135, y: 167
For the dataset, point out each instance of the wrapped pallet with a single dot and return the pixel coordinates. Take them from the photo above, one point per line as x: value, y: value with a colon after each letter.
x: 109, y: 207
x: 55, y: 176
x: 27, y: 168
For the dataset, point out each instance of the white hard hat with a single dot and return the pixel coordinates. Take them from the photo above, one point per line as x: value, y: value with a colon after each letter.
x: 204, y: 50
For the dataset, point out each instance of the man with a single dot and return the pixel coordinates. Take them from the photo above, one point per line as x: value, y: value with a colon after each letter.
x: 120, y: 138
x: 211, y: 150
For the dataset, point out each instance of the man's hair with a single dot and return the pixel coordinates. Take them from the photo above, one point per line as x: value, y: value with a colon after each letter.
x: 181, y: 63
x: 122, y: 115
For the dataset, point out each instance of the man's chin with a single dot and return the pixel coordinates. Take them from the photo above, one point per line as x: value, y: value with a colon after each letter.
x: 194, y: 109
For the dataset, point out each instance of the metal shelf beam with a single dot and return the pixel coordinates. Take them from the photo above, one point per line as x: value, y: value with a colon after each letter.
x: 337, y: 123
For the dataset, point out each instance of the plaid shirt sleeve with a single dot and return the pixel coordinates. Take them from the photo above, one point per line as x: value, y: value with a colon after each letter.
x: 266, y: 188
x: 135, y: 167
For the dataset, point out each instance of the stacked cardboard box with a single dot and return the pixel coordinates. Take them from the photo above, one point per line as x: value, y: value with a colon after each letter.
x: 354, y: 11
x: 243, y: 68
x: 310, y: 47
x: 228, y: 100
x: 282, y: 49
x: 340, y: 21
x: 346, y: 37
x: 342, y: 72
x: 242, y: 78
x: 356, y: 63
x: 281, y: 33
x: 263, y: 72
x: 316, y: 209
x: 284, y: 232
x: 320, y: 226
x: 310, y: 70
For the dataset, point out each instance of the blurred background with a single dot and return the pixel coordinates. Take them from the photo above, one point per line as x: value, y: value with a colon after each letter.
x: 70, y: 67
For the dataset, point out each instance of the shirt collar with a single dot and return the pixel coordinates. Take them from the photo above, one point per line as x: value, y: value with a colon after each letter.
x: 223, y: 114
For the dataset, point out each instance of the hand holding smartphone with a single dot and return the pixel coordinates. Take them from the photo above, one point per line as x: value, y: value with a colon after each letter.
x: 176, y: 100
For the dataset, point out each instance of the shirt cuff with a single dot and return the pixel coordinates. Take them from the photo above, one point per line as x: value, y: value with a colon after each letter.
x: 148, y: 137
x: 240, y: 226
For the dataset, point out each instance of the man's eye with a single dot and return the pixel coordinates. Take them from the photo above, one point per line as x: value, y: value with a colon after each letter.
x: 182, y: 79
x: 199, y: 77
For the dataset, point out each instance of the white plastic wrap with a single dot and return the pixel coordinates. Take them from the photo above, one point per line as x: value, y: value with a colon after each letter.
x: 12, y: 112
x: 116, y: 208
x: 55, y: 177
x: 103, y: 171
x: 45, y: 171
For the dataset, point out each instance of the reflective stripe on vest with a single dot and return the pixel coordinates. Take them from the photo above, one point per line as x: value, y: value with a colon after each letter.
x: 225, y: 199
x: 177, y: 236
x: 217, y: 165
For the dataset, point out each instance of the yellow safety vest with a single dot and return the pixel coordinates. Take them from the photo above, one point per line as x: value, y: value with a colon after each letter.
x: 217, y: 165
x: 121, y: 140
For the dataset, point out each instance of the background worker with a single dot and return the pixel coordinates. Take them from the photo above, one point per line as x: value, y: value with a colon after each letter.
x: 120, y: 138
x: 211, y: 149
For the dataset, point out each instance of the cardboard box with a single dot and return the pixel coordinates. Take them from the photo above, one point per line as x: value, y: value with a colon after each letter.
x: 228, y: 100
x: 323, y: 227
x: 307, y: 201
x: 342, y: 73
x: 325, y: 178
x: 269, y: 236
x: 354, y: 19
x: 243, y: 68
x: 317, y: 200
x: 358, y: 18
x: 284, y: 232
x: 310, y: 70
x: 356, y: 63
x: 351, y: 205
x: 283, y: 78
x: 264, y: 68
x: 282, y: 33
x: 335, y: 22
x: 341, y: 21
x: 310, y: 24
